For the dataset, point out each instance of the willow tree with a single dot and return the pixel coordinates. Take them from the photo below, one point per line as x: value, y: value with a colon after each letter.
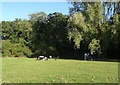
x: 100, y: 20
x: 85, y: 25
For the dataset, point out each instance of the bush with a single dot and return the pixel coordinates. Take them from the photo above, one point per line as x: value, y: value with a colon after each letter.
x: 15, y: 49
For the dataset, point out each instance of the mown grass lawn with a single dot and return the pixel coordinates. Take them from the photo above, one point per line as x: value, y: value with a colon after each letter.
x: 26, y: 70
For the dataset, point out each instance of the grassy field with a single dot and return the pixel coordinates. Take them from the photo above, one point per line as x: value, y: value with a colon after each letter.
x: 26, y: 70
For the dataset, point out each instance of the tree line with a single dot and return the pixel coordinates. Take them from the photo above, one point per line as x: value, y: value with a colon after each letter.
x: 92, y: 27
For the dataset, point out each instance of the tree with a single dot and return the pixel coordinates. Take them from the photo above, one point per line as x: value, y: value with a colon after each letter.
x: 92, y: 27
x: 76, y: 28
x: 94, y: 46
x: 15, y: 49
x: 50, y: 34
x: 57, y: 25
x: 37, y: 16
x: 16, y: 38
x: 87, y: 22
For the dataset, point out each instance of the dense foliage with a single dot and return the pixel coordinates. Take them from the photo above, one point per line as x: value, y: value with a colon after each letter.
x: 89, y: 27
x: 16, y: 38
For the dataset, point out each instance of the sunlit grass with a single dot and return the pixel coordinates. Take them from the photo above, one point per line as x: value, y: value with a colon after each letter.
x: 0, y: 69
x: 26, y: 70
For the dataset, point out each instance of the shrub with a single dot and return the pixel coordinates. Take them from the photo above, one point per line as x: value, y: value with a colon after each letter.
x: 15, y: 49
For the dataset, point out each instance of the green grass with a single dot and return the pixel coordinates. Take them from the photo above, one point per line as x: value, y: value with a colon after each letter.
x: 26, y: 70
x: 0, y: 69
